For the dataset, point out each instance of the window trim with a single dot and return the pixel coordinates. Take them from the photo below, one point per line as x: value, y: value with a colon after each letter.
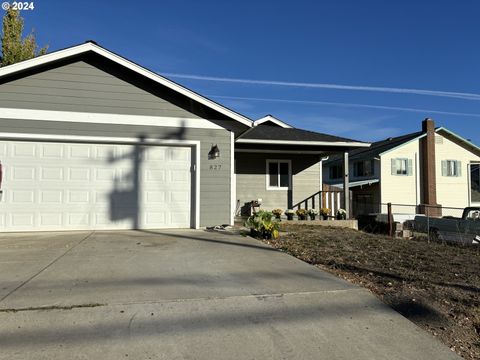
x: 458, y: 168
x: 469, y: 178
x: 267, y: 176
x: 407, y: 160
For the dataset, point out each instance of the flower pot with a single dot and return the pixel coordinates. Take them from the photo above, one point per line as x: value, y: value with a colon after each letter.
x: 341, y: 217
x: 312, y: 217
x: 278, y: 217
x: 325, y: 217
x: 254, y: 233
x: 289, y: 216
x: 302, y: 217
x: 267, y: 235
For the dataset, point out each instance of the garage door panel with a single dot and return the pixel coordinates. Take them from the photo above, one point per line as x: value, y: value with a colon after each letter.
x: 105, y: 174
x: 51, y: 173
x: 22, y: 219
x: 80, y: 151
x: 51, y: 219
x: 55, y: 186
x: 20, y: 173
x: 52, y: 151
x: 79, y: 174
x: 24, y: 150
x: 51, y: 196
x: 22, y: 197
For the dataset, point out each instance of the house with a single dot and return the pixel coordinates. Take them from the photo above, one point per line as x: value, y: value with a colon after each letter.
x: 428, y: 171
x: 91, y: 140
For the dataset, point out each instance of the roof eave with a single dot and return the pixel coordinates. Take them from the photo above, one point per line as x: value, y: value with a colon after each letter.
x: 460, y: 139
x: 91, y: 47
x: 305, y: 143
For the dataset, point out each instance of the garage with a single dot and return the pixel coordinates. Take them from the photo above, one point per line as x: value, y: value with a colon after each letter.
x: 95, y: 186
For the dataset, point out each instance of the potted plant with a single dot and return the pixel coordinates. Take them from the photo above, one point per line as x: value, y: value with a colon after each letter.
x: 262, y: 224
x: 277, y: 213
x: 341, y: 214
x: 302, y: 214
x: 325, y: 212
x: 289, y: 213
x: 312, y: 213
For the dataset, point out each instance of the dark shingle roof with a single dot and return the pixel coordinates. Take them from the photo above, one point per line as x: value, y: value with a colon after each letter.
x: 378, y: 147
x: 269, y: 132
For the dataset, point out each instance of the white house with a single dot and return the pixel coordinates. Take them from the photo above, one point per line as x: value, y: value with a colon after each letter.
x: 432, y: 167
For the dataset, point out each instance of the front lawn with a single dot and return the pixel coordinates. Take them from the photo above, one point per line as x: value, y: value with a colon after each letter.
x: 435, y: 285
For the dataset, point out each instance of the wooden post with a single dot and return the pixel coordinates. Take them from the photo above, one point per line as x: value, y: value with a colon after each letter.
x: 390, y: 219
x: 346, y: 185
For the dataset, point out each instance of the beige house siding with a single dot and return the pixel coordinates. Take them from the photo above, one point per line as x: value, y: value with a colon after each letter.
x: 400, y: 189
x: 453, y: 191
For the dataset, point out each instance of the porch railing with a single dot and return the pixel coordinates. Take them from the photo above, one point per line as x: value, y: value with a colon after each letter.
x: 322, y: 199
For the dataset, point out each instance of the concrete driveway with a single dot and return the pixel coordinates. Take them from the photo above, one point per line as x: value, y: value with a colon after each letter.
x: 187, y: 294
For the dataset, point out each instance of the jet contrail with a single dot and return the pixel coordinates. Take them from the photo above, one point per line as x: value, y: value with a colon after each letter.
x: 312, y: 102
x: 449, y: 94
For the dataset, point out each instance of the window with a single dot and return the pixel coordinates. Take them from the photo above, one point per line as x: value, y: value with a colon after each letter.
x: 402, y: 167
x: 278, y: 174
x: 451, y: 168
x: 475, y: 183
x: 336, y: 171
x: 363, y: 168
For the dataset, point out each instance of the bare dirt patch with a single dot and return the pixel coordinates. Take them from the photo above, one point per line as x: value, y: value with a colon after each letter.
x: 435, y: 285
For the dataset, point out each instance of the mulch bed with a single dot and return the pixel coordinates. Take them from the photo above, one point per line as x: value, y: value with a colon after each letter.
x: 435, y: 285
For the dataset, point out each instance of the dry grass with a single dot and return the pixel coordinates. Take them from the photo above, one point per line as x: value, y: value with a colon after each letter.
x: 436, y: 285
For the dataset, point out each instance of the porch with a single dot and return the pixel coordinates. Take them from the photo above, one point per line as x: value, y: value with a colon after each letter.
x: 280, y: 167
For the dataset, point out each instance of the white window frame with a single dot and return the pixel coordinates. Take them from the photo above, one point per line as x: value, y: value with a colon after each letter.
x: 469, y: 178
x: 267, y: 172
x: 405, y: 161
x: 456, y: 164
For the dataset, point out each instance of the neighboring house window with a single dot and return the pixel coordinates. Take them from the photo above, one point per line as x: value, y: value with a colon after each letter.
x: 363, y: 168
x: 402, y: 167
x: 278, y: 174
x: 475, y: 183
x: 451, y: 168
x: 336, y: 171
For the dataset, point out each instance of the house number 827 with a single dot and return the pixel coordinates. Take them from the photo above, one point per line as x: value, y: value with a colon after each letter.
x: 215, y: 167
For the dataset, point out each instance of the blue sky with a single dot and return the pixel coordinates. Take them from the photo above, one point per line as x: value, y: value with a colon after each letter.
x: 424, y: 45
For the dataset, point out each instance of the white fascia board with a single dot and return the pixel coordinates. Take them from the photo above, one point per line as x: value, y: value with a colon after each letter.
x: 96, y: 139
x: 263, y: 151
x: 80, y: 49
x: 102, y: 118
x: 312, y: 143
x: 458, y: 137
x: 273, y: 120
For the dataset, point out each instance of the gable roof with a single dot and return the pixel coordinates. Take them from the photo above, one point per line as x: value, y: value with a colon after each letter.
x: 268, y: 134
x: 272, y: 119
x: 458, y: 139
x: 91, y: 47
x: 380, y: 147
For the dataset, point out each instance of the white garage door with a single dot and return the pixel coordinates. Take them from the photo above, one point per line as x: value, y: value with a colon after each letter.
x: 72, y: 186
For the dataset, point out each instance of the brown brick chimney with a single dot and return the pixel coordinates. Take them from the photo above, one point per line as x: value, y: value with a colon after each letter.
x: 428, y: 181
